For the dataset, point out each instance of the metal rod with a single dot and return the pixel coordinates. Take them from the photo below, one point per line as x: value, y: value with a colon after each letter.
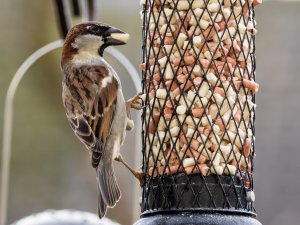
x: 8, y: 117
x: 91, y: 7
x: 128, y: 66
x: 84, y: 10
x: 75, y: 8
x: 63, y: 17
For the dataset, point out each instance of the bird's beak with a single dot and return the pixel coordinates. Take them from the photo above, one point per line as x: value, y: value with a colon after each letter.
x: 115, y: 36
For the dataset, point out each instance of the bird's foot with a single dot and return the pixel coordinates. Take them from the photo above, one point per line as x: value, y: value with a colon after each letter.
x: 137, y: 101
x: 138, y: 175
x: 141, y: 177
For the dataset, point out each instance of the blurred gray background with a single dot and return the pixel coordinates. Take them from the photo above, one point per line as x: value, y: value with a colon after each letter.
x: 51, y: 169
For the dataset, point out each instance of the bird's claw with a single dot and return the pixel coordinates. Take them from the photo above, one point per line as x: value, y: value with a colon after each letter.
x: 137, y: 101
x: 119, y: 158
x: 138, y: 175
x: 141, y: 177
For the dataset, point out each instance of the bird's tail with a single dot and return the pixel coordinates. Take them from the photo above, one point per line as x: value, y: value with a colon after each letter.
x: 109, y: 189
x: 102, y: 206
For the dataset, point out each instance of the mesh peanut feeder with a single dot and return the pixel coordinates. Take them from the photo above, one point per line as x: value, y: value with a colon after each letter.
x: 198, y: 124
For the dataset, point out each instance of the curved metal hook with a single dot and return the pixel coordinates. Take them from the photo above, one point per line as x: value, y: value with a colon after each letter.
x: 8, y: 118
x: 128, y: 66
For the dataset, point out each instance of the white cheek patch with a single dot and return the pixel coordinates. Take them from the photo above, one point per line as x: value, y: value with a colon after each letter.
x: 121, y: 37
x: 87, y: 46
x: 88, y: 42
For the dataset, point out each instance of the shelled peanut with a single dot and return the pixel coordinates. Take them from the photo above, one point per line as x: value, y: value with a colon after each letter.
x: 199, y: 72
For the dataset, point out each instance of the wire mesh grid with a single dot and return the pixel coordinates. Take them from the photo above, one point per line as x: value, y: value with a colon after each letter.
x: 198, y: 123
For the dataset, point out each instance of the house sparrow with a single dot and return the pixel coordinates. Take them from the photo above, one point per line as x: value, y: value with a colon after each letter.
x: 94, y: 102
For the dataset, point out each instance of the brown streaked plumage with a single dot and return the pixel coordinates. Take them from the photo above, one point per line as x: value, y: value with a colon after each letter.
x: 91, y: 108
x: 94, y: 102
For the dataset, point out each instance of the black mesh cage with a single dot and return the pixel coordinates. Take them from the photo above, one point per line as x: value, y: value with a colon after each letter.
x: 198, y: 123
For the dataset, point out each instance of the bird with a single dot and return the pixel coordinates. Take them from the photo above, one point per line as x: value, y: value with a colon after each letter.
x: 94, y: 103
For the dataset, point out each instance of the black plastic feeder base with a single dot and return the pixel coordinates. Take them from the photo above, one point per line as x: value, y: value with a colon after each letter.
x: 198, y: 219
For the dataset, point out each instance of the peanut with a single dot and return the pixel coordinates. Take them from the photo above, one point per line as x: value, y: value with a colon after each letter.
x: 200, y: 86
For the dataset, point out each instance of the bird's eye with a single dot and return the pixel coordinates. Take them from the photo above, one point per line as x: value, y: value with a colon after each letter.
x: 95, y: 29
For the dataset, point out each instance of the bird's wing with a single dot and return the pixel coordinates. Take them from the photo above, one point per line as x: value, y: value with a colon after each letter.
x: 90, y: 95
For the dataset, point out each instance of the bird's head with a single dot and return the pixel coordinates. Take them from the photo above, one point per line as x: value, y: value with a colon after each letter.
x: 91, y: 39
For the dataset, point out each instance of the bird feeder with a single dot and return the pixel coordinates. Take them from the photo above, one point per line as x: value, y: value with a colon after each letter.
x: 198, y: 123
